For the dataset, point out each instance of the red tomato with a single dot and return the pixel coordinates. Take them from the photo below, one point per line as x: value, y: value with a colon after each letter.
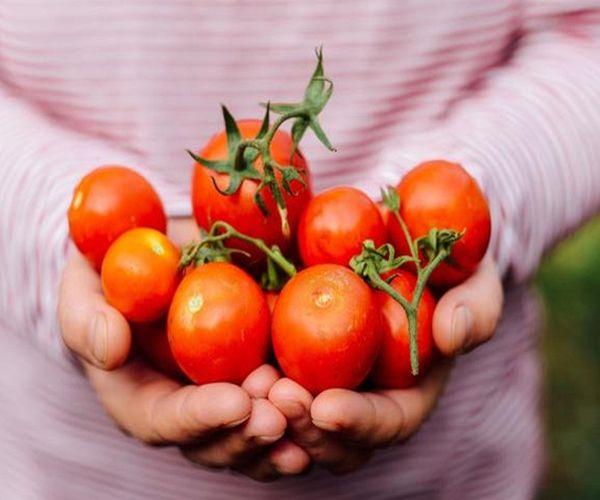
x: 218, y: 324
x: 392, y: 368
x: 107, y: 202
x: 140, y: 274
x: 326, y: 328
x: 440, y: 194
x: 152, y: 340
x: 335, y: 224
x: 239, y: 209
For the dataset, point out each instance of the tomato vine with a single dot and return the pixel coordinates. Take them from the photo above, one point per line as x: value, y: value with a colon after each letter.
x: 374, y: 262
x: 242, y: 153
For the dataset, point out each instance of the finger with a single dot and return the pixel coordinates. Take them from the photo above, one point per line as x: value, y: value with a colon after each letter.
x: 378, y: 419
x: 265, y: 426
x: 466, y: 315
x: 295, y: 402
x: 259, y: 382
x: 283, y: 459
x: 288, y: 458
x: 157, y: 410
x: 90, y: 326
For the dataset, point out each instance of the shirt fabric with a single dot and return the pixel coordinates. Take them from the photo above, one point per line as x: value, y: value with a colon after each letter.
x: 510, y: 89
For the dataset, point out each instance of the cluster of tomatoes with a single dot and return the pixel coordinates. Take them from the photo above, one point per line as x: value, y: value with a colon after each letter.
x: 357, y: 309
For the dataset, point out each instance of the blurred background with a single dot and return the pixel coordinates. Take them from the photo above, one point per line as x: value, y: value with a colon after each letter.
x: 569, y: 283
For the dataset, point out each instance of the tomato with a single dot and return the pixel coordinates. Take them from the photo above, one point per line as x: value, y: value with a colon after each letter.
x: 325, y: 328
x: 152, y: 340
x: 218, y: 324
x: 440, y: 194
x: 140, y: 274
x: 239, y: 209
x: 392, y: 368
x: 335, y: 224
x: 107, y: 202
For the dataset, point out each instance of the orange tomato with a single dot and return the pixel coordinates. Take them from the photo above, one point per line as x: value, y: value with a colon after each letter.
x: 140, y: 274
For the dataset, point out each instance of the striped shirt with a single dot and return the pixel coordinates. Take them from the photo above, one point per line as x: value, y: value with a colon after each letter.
x: 510, y: 89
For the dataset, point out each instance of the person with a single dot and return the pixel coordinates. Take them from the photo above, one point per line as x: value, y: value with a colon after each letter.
x: 510, y: 89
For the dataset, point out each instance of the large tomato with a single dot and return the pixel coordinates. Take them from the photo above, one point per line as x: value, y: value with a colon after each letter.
x: 392, y: 368
x: 326, y: 328
x: 334, y: 225
x: 218, y: 324
x: 140, y: 274
x: 152, y: 340
x: 239, y: 209
x: 107, y: 202
x: 440, y: 194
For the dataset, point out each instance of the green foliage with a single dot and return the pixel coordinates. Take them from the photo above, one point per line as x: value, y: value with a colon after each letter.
x: 569, y: 282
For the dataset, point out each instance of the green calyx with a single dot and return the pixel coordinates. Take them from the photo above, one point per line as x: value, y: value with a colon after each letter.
x: 211, y: 248
x: 373, y: 262
x: 243, y: 153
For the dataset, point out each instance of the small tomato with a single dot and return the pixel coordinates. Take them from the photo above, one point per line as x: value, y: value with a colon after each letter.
x: 107, y: 202
x: 140, y: 274
x: 326, y: 328
x: 335, y: 224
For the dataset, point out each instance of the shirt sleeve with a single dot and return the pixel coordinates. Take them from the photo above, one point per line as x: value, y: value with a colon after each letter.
x: 40, y: 164
x: 529, y: 133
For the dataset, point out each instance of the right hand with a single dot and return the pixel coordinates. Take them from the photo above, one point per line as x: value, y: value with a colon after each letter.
x: 215, y: 425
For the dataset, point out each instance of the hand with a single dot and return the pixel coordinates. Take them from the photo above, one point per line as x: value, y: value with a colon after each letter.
x: 215, y: 425
x: 340, y: 428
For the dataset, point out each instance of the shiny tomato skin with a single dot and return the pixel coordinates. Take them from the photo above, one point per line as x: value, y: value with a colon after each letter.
x: 140, y: 274
x: 239, y: 209
x: 334, y: 225
x: 152, y: 340
x: 392, y: 368
x: 218, y: 324
x: 440, y: 194
x: 325, y: 328
x: 107, y: 202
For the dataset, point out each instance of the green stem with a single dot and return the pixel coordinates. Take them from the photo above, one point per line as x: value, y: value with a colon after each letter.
x: 230, y: 232
x: 414, y: 251
x: 263, y: 145
x: 410, y: 308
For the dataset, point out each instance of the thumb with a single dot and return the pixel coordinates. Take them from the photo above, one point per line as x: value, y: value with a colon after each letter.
x: 466, y: 316
x: 90, y: 327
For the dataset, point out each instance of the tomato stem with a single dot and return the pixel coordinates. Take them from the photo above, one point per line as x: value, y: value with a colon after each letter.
x: 372, y: 262
x: 240, y: 164
x: 211, y: 248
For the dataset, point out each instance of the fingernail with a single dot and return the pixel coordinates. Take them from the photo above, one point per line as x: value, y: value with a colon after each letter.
x: 268, y: 439
x: 326, y: 425
x: 98, y: 339
x: 462, y: 321
x: 236, y: 422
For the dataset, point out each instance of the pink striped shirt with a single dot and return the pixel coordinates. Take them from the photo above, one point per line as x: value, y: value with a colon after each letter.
x: 510, y: 88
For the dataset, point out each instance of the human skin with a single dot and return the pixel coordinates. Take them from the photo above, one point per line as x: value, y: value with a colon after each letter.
x: 338, y: 429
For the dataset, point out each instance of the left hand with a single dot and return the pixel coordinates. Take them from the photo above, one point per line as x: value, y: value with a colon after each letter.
x: 341, y: 428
